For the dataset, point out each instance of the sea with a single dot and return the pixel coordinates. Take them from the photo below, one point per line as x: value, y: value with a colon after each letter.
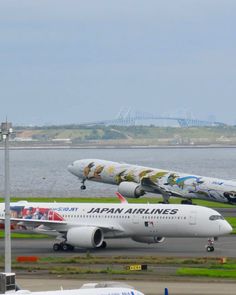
x: 43, y: 172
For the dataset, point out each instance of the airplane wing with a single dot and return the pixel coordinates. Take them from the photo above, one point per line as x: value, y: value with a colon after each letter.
x: 58, y: 225
x: 150, y: 186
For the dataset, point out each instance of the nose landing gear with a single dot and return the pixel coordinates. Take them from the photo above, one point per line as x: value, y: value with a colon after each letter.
x: 83, y: 186
x: 210, y: 245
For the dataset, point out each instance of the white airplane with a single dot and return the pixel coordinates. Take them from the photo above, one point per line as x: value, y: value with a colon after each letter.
x: 134, y: 181
x: 103, y: 288
x: 88, y: 225
x: 87, y: 290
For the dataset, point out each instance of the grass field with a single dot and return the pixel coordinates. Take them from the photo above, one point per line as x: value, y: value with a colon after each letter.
x: 143, y: 200
x: 24, y: 235
x: 211, y: 267
x: 202, y: 272
x: 232, y: 221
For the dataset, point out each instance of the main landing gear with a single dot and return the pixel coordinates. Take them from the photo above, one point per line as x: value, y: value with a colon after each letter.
x: 210, y: 245
x: 187, y: 202
x: 83, y: 186
x: 104, y: 245
x: 165, y: 197
x: 63, y: 246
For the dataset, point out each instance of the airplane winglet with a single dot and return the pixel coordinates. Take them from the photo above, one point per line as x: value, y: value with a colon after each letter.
x: 121, y: 198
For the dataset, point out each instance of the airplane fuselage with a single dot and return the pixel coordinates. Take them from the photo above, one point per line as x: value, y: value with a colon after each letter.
x: 134, y: 181
x: 89, y: 291
x: 122, y: 220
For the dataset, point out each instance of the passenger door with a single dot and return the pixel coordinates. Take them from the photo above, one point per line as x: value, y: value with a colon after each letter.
x: 193, y: 218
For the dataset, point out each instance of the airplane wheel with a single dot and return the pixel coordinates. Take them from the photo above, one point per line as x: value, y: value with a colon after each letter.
x: 65, y: 247
x: 71, y: 248
x: 210, y: 248
x: 56, y: 247
x: 83, y: 187
x: 104, y: 245
x: 186, y: 202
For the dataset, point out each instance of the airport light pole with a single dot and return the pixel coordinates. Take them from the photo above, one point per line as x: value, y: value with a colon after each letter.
x: 6, y: 130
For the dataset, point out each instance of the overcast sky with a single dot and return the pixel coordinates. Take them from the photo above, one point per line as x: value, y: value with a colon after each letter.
x: 70, y: 61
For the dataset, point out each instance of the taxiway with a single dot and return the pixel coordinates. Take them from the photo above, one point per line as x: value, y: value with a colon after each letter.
x: 173, y: 247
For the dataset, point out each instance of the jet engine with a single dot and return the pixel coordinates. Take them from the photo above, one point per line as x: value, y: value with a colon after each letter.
x: 130, y: 189
x: 85, y: 237
x: 149, y: 240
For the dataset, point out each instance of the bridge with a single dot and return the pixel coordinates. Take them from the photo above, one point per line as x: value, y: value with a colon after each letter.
x: 130, y: 118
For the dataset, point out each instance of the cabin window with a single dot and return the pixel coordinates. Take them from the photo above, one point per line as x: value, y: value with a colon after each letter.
x: 216, y: 217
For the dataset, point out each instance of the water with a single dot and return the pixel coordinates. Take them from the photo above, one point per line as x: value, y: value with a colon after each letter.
x: 44, y: 172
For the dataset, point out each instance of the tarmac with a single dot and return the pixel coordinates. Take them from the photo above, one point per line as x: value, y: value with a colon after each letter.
x: 177, y: 247
x: 147, y: 287
x: 171, y: 247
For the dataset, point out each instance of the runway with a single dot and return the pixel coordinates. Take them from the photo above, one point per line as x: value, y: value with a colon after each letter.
x: 227, y: 212
x: 172, y: 247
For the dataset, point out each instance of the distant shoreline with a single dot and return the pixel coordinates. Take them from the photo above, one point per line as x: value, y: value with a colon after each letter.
x: 66, y: 147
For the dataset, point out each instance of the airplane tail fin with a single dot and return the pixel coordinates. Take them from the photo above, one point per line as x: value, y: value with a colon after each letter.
x: 121, y: 198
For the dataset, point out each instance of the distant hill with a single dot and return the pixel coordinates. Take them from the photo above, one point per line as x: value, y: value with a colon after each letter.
x: 76, y: 135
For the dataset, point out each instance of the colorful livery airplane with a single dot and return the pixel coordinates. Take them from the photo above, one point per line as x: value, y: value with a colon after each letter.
x: 134, y: 181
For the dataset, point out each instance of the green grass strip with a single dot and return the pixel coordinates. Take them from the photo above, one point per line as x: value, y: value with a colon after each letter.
x: 142, y: 200
x: 24, y: 235
x: 232, y: 221
x: 202, y: 272
x: 224, y: 266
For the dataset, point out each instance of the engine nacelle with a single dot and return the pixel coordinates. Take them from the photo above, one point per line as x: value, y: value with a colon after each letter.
x: 85, y: 237
x: 130, y: 189
x: 149, y: 240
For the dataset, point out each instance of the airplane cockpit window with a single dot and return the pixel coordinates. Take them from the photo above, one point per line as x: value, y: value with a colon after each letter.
x: 216, y: 217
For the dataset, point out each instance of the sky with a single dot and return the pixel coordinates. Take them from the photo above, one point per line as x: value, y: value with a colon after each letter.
x: 73, y: 61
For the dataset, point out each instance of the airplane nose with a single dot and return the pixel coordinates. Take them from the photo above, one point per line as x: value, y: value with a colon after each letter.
x: 70, y: 167
x: 226, y: 228
x: 76, y: 168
